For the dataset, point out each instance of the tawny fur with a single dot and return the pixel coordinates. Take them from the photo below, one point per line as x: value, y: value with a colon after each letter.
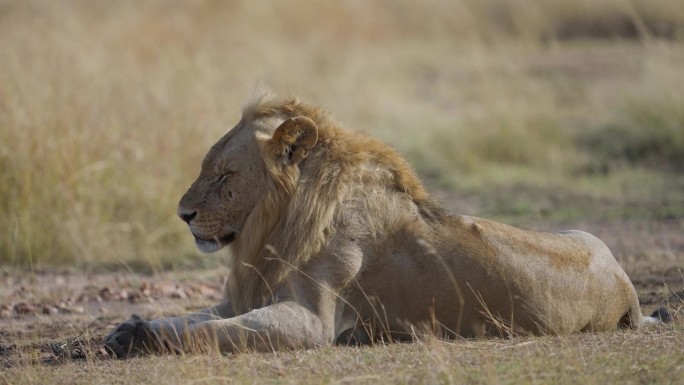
x: 333, y: 232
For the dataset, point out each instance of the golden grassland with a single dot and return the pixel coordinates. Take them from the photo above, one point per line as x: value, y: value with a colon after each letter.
x: 106, y: 109
x: 540, y: 113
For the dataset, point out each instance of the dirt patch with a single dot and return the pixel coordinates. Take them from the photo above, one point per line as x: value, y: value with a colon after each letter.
x: 82, y: 308
x: 52, y: 318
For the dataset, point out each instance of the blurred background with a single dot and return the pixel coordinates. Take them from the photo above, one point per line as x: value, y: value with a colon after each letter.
x: 546, y: 114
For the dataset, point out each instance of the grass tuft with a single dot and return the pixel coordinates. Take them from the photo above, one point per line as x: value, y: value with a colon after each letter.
x: 648, y: 133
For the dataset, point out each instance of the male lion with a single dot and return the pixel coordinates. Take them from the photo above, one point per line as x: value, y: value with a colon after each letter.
x: 334, y: 239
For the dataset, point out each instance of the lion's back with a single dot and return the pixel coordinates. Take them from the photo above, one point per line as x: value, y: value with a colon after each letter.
x: 569, y: 280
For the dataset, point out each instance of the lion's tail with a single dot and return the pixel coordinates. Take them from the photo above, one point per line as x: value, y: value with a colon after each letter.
x: 659, y: 317
x: 634, y: 317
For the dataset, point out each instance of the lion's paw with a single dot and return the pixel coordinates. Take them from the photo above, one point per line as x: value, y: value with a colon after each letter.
x: 131, y: 338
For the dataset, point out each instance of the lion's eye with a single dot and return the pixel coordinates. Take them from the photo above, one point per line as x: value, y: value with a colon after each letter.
x: 224, y: 177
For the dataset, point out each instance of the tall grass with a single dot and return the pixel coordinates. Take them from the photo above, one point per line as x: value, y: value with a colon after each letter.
x: 106, y: 108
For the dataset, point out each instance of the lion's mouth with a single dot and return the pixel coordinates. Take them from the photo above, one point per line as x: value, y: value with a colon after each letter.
x: 215, y: 244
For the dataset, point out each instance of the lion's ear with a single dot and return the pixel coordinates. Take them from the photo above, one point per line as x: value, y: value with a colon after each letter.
x: 295, y: 137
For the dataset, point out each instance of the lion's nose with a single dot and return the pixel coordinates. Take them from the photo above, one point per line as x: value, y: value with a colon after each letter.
x: 186, y: 215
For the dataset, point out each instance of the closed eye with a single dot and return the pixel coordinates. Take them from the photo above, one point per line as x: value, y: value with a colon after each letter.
x: 225, y: 176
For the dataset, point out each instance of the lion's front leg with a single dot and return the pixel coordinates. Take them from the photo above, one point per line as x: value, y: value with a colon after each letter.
x: 282, y: 326
x: 137, y: 336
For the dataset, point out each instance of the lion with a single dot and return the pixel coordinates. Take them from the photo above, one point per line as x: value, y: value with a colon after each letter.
x: 334, y: 239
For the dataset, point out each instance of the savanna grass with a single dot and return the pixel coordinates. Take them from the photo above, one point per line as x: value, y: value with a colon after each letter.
x: 106, y: 108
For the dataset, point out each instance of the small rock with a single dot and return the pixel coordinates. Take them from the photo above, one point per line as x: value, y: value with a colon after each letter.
x: 179, y: 294
x: 165, y: 289
x: 74, y: 309
x: 50, y: 310
x: 104, y: 352
x: 146, y: 289
x: 123, y: 295
x: 105, y: 293
x: 134, y: 297
x: 24, y: 308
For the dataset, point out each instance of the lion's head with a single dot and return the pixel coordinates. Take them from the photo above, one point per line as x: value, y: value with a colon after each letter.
x: 240, y: 170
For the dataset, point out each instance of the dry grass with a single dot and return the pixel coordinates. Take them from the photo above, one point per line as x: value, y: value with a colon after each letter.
x: 647, y: 356
x: 107, y: 109
x: 542, y: 113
